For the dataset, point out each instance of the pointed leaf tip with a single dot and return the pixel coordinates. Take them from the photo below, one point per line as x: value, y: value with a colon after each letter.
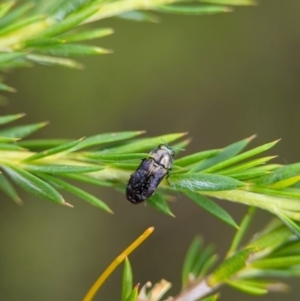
x: 212, y: 207
x: 4, y: 119
x: 254, y: 136
x: 127, y: 279
x: 67, y: 204
x: 158, y: 202
x: 33, y: 184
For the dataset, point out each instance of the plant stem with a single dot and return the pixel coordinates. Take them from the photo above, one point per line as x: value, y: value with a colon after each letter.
x: 121, y: 7
x: 95, y: 287
x: 195, y: 292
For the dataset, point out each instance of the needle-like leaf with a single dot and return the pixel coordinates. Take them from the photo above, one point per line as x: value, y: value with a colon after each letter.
x: 10, y: 118
x: 33, y: 184
x: 8, y: 189
x: 127, y: 280
x: 22, y: 131
x: 55, y: 150
x: 158, y: 202
x: 211, y: 207
x: 203, y: 182
x: 77, y: 191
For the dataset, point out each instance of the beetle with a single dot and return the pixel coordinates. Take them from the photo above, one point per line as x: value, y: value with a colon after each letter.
x: 144, y: 181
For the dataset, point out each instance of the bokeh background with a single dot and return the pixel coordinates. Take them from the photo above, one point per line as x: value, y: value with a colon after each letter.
x: 221, y: 78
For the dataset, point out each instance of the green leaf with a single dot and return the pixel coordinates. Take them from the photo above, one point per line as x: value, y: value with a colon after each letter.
x: 33, y: 184
x: 287, y: 206
x: 295, y: 228
x: 134, y: 294
x: 208, y: 265
x: 230, y: 267
x: 276, y: 263
x: 43, y: 143
x: 127, y: 280
x: 62, y: 169
x: 279, y: 273
x: 143, y: 144
x: 159, y: 203
x: 190, y: 259
x: 23, y: 130
x: 211, y: 207
x: 88, y: 35
x: 114, y: 158
x: 107, y: 138
x: 10, y: 118
x: 9, y: 56
x: 5, y: 7
x: 240, y: 233
x: 62, y: 9
x: 9, y: 190
x: 7, y: 146
x: 69, y: 23
x: 78, y: 192
x: 72, y: 50
x: 139, y: 16
x: 202, y: 259
x: 271, y: 239
x: 288, y: 248
x: 54, y: 61
x: 19, y: 24
x: 6, y: 88
x: 286, y: 193
x: 248, y: 287
x: 55, y: 150
x: 228, y: 152
x: 86, y: 178
x: 125, y: 166
x: 241, y: 157
x: 7, y: 139
x: 296, y: 185
x: 16, y: 63
x: 194, y: 158
x: 15, y: 13
x: 268, y: 167
x: 280, y: 174
x: 249, y: 174
x: 43, y: 42
x: 246, y: 166
x: 203, y: 182
x: 193, y: 9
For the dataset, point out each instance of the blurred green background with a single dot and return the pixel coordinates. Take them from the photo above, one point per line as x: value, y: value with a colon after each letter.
x: 221, y: 78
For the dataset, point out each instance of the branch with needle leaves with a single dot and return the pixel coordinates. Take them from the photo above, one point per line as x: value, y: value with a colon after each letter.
x: 53, y: 32
x: 272, y: 253
x: 44, y: 167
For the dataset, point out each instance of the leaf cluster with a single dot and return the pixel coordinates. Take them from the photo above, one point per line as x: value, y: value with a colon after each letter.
x: 272, y: 253
x: 252, y: 269
x: 44, y: 167
x: 50, y: 33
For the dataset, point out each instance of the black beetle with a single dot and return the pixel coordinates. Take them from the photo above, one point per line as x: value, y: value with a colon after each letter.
x: 144, y: 181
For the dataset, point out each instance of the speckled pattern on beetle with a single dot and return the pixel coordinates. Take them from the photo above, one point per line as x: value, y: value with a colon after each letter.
x: 144, y: 181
